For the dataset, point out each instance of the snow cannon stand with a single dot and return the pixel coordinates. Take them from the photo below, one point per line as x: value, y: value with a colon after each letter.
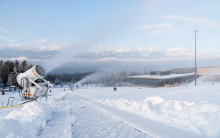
x: 33, y: 85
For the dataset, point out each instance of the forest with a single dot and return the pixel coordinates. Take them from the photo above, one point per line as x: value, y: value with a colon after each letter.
x: 65, y: 78
x: 9, y: 71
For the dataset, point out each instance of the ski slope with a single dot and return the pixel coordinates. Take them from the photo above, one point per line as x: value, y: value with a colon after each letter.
x: 184, y: 111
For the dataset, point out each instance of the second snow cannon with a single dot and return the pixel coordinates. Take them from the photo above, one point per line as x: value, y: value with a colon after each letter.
x: 33, y: 84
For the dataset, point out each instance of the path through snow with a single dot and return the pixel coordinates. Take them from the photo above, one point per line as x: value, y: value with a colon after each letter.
x: 77, y: 118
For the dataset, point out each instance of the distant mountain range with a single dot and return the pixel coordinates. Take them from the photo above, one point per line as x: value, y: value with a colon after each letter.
x: 107, y: 54
x: 137, y: 55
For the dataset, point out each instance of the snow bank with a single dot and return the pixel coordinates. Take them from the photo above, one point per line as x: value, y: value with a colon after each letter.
x: 27, y: 121
x: 202, y: 118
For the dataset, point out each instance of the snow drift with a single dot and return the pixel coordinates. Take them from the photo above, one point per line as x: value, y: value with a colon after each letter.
x: 27, y: 121
x: 202, y: 118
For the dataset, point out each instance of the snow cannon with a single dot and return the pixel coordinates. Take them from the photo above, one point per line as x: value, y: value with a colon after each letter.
x: 33, y: 84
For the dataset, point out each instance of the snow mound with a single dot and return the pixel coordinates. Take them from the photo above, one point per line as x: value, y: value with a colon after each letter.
x: 154, y: 100
x: 27, y: 121
x: 202, y: 118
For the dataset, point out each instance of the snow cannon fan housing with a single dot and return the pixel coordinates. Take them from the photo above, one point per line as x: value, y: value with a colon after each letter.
x: 33, y: 83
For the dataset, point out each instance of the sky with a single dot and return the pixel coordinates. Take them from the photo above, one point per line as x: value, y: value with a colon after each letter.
x: 55, y: 32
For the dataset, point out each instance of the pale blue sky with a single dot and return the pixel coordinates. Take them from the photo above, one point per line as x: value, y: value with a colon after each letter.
x: 116, y: 25
x: 112, y: 22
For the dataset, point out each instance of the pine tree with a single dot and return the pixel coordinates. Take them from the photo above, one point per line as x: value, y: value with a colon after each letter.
x: 57, y: 81
x: 1, y: 67
x: 10, y: 65
x: 0, y: 80
x: 20, y: 68
x: 5, y: 72
x: 9, y: 83
x: 73, y: 81
x: 14, y: 76
x: 25, y: 65
x: 16, y: 63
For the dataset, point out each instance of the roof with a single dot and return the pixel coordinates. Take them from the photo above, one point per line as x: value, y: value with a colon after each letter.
x: 12, y: 86
x: 210, y: 71
x: 171, y: 76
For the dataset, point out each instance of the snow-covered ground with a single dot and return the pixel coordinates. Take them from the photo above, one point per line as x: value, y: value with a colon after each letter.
x: 27, y: 120
x: 191, y: 109
x: 184, y: 111
x: 64, y: 115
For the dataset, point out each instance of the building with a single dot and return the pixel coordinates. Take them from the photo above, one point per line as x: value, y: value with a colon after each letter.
x: 12, y: 88
x: 210, y: 74
x: 208, y: 71
x: 161, y: 79
x: 2, y: 86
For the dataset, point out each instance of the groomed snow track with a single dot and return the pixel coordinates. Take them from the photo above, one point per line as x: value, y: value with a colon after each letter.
x: 76, y: 117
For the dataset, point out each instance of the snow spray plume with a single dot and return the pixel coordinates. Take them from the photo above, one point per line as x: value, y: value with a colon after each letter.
x: 91, y: 77
x: 65, y: 54
x: 107, y: 77
x: 118, y: 72
x: 57, y: 60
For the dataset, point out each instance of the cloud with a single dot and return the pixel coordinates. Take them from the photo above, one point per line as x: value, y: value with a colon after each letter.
x: 87, y: 50
x: 186, y: 53
x: 31, y: 61
x: 13, y: 41
x: 50, y: 48
x: 134, y: 59
x: 13, y: 46
x: 5, y: 30
x: 118, y: 49
x: 147, y: 27
x: 191, y: 20
x: 7, y: 39
x: 120, y: 65
x: 33, y: 47
x: 42, y: 41
x: 145, y: 49
x: 159, y: 31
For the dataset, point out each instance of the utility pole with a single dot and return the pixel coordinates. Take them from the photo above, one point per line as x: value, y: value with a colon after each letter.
x: 195, y: 56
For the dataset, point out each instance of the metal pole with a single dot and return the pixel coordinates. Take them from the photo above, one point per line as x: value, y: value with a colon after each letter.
x: 195, y: 58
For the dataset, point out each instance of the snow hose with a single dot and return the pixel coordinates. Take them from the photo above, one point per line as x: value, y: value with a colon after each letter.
x: 11, y: 106
x: 14, y: 105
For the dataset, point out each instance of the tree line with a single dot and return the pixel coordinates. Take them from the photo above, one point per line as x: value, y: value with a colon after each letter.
x: 175, y: 71
x: 66, y: 78
x: 104, y: 79
x: 9, y: 71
